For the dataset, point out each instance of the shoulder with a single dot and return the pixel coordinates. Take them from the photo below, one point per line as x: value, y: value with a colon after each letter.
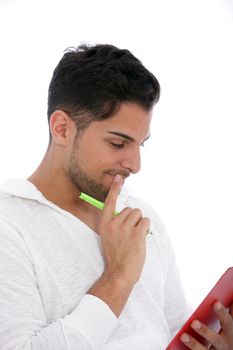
x: 17, y: 213
x: 20, y: 200
x: 13, y: 216
x: 12, y: 206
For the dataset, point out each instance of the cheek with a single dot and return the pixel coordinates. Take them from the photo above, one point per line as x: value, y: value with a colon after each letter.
x: 101, y: 156
x: 100, y: 165
x: 96, y: 158
x: 94, y: 164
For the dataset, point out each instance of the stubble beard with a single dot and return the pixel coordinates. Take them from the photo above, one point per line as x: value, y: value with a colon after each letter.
x: 83, y: 181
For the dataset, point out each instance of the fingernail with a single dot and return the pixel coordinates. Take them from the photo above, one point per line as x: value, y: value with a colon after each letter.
x: 218, y: 306
x: 196, y: 324
x: 185, y: 338
x: 117, y: 178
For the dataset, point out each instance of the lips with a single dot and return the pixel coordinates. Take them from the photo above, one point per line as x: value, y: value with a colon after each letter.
x: 124, y: 174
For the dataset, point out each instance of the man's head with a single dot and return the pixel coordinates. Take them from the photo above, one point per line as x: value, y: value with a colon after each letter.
x: 106, y: 95
x: 91, y: 82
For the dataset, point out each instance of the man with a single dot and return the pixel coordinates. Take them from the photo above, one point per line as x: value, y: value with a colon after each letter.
x: 73, y: 276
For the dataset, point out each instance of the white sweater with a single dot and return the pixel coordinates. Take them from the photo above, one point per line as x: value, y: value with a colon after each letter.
x: 49, y: 259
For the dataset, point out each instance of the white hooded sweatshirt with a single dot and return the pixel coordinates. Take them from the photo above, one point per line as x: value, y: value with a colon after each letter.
x: 49, y: 259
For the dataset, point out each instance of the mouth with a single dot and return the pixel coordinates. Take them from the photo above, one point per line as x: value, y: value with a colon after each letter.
x: 124, y: 174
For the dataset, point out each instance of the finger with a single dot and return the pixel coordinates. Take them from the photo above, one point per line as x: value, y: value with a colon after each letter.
x: 134, y: 217
x: 111, y: 199
x: 212, y: 337
x: 122, y: 216
x: 144, y: 225
x: 191, y: 343
x: 224, y: 316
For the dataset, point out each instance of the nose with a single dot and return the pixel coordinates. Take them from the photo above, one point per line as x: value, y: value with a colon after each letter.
x: 132, y: 161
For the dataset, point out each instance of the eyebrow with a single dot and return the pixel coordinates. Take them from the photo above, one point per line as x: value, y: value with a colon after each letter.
x: 125, y: 136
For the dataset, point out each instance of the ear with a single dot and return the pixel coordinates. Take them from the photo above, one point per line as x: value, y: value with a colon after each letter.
x: 62, y: 128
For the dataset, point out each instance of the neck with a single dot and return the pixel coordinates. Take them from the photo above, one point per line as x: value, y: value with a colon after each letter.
x: 53, y: 182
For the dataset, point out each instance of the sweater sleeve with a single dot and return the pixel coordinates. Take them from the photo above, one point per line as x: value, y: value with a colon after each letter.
x: 23, y: 324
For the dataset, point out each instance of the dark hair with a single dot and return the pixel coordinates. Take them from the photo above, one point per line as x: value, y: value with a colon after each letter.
x: 90, y: 83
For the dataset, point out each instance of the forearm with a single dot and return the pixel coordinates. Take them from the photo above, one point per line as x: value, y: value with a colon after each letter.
x: 114, y: 290
x: 24, y: 323
x: 87, y: 327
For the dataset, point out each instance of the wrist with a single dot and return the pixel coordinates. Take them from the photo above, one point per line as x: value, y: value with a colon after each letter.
x: 118, y: 278
x: 114, y: 289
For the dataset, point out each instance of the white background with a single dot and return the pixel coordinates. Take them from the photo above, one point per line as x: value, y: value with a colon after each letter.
x: 187, y: 170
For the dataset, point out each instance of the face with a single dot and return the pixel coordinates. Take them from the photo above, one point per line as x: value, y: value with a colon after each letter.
x: 109, y: 147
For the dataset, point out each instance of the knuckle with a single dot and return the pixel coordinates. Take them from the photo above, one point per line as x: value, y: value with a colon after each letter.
x: 137, y: 211
x: 146, y: 220
x: 127, y: 209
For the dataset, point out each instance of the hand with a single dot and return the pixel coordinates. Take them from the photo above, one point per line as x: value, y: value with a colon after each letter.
x: 219, y: 341
x: 123, y: 237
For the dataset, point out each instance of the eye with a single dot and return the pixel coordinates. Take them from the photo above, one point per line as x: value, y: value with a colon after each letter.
x: 117, y: 145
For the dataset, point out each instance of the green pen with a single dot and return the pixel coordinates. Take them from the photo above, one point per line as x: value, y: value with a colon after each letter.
x: 100, y: 205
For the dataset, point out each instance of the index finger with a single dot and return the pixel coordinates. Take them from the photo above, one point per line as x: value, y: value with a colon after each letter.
x: 111, y: 199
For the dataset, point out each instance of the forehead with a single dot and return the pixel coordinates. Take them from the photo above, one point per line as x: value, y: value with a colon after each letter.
x: 130, y: 119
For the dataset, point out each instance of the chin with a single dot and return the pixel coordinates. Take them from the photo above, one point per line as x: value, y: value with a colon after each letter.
x: 101, y: 196
x: 101, y: 193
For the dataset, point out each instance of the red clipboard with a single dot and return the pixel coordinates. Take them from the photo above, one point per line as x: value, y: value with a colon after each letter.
x: 222, y: 291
